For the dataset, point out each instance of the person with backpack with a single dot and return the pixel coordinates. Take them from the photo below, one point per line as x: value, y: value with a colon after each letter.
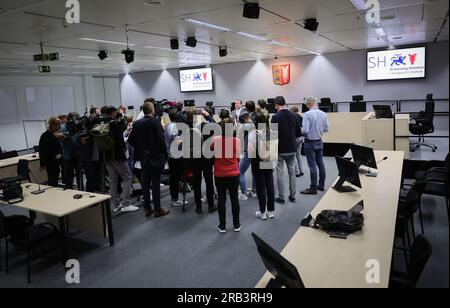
x: 259, y: 150
x: 116, y: 162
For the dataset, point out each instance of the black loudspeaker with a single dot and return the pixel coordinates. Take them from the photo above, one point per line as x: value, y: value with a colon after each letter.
x: 174, y: 44
x: 223, y: 51
x: 251, y: 10
x: 191, y: 41
x: 311, y: 24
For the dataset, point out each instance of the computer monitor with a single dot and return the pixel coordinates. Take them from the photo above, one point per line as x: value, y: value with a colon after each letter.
x: 209, y: 104
x: 383, y: 111
x: 326, y: 109
x: 348, y: 172
x: 358, y: 98
x: 189, y: 103
x: 363, y: 156
x: 285, y: 273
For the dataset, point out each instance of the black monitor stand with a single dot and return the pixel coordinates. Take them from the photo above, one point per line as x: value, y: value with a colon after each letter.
x: 341, y: 188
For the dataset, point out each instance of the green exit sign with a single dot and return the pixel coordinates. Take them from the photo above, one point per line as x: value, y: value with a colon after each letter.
x: 44, y: 69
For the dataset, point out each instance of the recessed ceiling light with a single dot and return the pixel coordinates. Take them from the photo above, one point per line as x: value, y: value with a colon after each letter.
x: 388, y: 17
x: 153, y: 3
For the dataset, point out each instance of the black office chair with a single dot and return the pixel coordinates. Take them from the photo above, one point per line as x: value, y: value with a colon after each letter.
x: 6, y: 155
x: 23, y: 173
x: 326, y: 105
x: 419, y: 255
x: 358, y: 107
x: 435, y: 174
x: 423, y: 125
x: 24, y: 235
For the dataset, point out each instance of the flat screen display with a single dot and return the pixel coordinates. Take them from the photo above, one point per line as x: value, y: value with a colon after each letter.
x: 407, y: 63
x: 196, y: 80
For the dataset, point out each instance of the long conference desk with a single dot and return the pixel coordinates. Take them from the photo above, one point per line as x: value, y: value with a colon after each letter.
x: 325, y: 262
x: 8, y: 167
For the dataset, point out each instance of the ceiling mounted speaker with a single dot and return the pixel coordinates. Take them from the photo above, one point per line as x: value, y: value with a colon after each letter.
x: 191, y: 41
x: 251, y: 10
x: 174, y: 44
x: 311, y: 24
x: 223, y: 51
x: 102, y: 55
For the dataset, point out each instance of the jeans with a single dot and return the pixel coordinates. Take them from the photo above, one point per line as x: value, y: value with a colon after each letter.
x: 243, y: 167
x: 203, y: 167
x: 120, y: 169
x: 264, y: 188
x: 151, y: 178
x: 230, y: 184
x: 314, y: 155
x: 298, y: 165
x: 176, y: 167
x: 290, y: 162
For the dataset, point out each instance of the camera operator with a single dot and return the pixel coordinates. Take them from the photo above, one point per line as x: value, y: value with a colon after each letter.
x: 147, y: 138
x: 71, y: 134
x: 117, y: 166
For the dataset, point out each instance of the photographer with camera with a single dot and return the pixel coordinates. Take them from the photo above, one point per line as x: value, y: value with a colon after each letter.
x: 117, y: 165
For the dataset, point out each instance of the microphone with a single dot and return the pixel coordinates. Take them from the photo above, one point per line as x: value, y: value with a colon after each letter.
x: 39, y: 191
x: 386, y: 158
x: 371, y: 142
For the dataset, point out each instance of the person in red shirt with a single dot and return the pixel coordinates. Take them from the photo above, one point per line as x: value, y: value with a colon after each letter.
x: 227, y: 150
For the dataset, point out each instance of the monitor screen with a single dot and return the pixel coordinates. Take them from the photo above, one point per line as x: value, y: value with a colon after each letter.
x: 409, y: 63
x: 196, y: 80
x: 363, y: 156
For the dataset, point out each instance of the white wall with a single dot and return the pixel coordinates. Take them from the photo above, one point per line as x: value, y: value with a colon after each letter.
x: 12, y: 136
x: 338, y: 75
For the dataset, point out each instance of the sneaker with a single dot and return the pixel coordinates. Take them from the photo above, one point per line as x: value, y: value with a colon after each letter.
x: 320, y: 189
x: 262, y: 216
x: 270, y: 215
x: 222, y: 230
x: 242, y: 197
x: 280, y: 200
x: 179, y: 203
x: 129, y: 209
x: 238, y: 228
x: 253, y: 194
x: 118, y: 208
x: 292, y: 199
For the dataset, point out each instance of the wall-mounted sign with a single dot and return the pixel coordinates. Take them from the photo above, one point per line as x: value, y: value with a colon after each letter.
x: 281, y: 74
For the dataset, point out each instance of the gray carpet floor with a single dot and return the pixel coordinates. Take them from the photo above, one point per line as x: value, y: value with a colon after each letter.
x: 184, y: 250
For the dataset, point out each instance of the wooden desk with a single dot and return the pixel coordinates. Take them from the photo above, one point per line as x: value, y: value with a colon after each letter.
x: 8, y: 167
x: 324, y: 262
x: 345, y: 127
x: 382, y: 131
x: 61, y: 204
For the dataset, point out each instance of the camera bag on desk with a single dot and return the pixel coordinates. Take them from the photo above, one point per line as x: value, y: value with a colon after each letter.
x: 12, y: 192
x: 342, y: 221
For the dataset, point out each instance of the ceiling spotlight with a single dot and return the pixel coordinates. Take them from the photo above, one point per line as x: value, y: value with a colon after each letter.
x: 102, y: 55
x: 191, y: 41
x: 174, y: 44
x: 223, y: 51
x: 129, y: 55
x: 251, y: 10
x: 311, y: 24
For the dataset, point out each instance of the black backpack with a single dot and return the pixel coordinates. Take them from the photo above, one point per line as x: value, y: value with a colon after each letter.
x: 339, y: 221
x: 12, y: 192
